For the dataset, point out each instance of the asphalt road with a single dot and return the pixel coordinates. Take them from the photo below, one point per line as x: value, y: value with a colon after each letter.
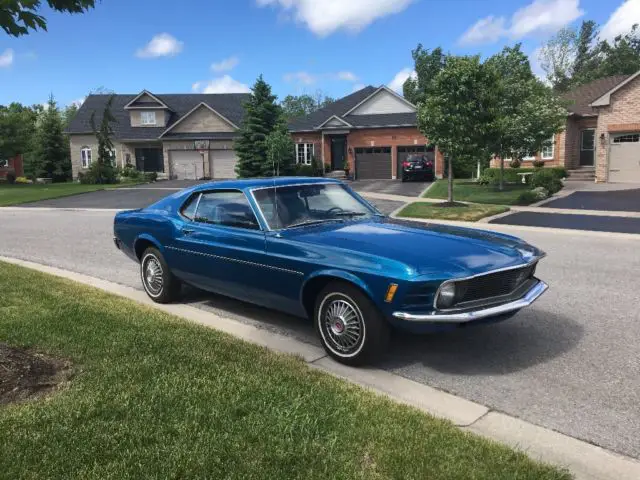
x: 571, y: 362
x: 573, y: 222
x: 394, y: 187
x: 620, y: 200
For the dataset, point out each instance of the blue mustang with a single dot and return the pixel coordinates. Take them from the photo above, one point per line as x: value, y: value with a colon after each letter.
x: 314, y: 248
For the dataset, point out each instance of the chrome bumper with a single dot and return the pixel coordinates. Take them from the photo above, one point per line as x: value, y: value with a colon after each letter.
x: 463, y: 317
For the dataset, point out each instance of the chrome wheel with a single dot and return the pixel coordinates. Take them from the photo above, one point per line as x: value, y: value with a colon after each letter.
x: 152, y: 275
x: 342, y: 325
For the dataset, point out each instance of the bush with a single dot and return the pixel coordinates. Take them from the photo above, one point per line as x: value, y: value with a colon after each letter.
x: 515, y: 163
x: 541, y: 193
x: 547, y: 179
x: 491, y: 176
x: 11, y: 178
x: 537, y: 164
x: 153, y: 176
x: 527, y: 197
x: 23, y: 180
x: 130, y: 171
x: 99, y: 173
x: 560, y: 172
x: 303, y: 170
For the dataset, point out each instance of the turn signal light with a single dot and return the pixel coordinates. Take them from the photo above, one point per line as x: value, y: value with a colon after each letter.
x: 391, y: 291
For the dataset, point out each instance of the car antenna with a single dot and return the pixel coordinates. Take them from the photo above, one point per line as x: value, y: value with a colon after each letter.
x: 276, y: 171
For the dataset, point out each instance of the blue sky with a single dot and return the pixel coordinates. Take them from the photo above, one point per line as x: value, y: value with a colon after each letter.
x: 300, y: 46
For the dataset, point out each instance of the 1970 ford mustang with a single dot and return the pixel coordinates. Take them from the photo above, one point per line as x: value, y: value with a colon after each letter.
x: 314, y: 248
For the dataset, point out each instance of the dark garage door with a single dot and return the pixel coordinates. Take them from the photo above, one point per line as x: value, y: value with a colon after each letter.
x: 404, y: 152
x: 374, y: 162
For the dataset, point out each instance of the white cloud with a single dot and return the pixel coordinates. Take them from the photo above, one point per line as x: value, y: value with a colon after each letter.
x: 347, y: 76
x: 224, y: 84
x: 485, y: 30
x: 162, y: 45
x: 538, y: 17
x: 621, y: 21
x: 544, y: 16
x: 6, y: 58
x: 358, y: 86
x: 326, y: 17
x: 305, y: 78
x: 225, y: 65
x: 401, y: 77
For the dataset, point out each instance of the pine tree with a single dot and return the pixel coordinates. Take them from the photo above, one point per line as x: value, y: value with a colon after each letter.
x: 262, y: 114
x: 51, y: 156
x: 103, y: 170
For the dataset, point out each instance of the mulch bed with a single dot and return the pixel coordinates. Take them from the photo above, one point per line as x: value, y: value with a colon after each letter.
x: 25, y: 374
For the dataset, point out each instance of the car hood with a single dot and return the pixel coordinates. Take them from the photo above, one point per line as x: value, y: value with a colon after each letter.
x: 427, y: 249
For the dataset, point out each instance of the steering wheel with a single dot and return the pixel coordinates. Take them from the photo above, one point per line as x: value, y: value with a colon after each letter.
x: 334, y: 209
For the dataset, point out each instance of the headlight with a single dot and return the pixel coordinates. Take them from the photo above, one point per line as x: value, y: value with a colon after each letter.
x: 446, y: 295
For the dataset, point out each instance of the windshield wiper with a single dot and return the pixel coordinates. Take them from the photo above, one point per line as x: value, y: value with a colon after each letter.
x: 311, y: 222
x: 350, y: 214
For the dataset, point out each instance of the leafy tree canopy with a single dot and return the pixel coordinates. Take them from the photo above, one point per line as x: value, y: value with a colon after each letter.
x: 299, y: 105
x: 18, y: 17
x: 17, y: 124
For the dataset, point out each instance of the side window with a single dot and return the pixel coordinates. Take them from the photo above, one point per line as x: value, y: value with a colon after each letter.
x: 189, y: 209
x: 228, y: 208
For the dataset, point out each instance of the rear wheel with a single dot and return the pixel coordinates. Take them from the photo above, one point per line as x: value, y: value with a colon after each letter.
x: 158, y: 281
x: 351, y: 328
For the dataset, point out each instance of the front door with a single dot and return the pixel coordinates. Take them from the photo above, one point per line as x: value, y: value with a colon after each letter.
x: 587, y: 147
x: 149, y: 160
x: 338, y: 152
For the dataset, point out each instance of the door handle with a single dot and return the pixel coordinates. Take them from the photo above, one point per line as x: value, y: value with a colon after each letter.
x: 187, y: 231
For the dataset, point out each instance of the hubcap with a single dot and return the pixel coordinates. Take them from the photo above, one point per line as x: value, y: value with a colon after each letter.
x: 153, y: 275
x: 343, y: 325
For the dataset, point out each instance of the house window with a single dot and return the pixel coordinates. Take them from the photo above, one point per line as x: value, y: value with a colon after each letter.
x: 548, y: 150
x: 85, y: 155
x: 634, y: 138
x: 113, y: 156
x: 147, y: 118
x: 304, y: 153
x: 529, y: 158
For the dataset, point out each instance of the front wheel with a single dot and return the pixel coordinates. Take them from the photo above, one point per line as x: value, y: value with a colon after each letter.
x: 350, y: 326
x: 158, y: 281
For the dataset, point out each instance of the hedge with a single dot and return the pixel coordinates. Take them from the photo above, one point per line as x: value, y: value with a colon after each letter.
x: 492, y: 175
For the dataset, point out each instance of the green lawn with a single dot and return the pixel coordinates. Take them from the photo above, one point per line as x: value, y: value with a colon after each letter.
x: 469, y: 213
x: 156, y: 397
x: 17, y: 194
x: 467, y: 191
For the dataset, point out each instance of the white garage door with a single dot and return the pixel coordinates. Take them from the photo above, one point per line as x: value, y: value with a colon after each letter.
x: 624, y: 158
x: 186, y: 164
x: 223, y: 163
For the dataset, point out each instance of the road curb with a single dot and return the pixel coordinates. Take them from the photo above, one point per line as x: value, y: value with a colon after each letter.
x: 586, y: 461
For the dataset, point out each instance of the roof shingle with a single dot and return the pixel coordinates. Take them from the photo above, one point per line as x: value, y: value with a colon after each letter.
x: 581, y: 97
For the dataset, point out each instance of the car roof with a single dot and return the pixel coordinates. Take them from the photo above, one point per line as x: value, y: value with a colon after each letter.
x: 250, y: 183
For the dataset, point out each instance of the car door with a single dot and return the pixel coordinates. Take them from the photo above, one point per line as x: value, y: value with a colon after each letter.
x: 222, y: 245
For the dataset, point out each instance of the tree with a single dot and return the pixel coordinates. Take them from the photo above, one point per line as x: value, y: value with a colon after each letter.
x: 586, y: 60
x: 280, y: 150
x: 103, y: 170
x: 17, y: 124
x: 299, y: 105
x: 51, y: 152
x: 557, y: 58
x: 527, y: 113
x: 262, y: 114
x: 17, y: 17
x: 69, y: 114
x: 459, y: 109
x: 428, y: 64
x: 622, y: 57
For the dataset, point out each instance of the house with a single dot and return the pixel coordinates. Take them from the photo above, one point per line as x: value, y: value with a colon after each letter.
x: 601, y: 139
x: 179, y: 136
x: 372, y: 131
x: 12, y: 165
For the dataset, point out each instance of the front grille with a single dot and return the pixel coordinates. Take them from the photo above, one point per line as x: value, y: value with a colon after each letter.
x: 492, y: 285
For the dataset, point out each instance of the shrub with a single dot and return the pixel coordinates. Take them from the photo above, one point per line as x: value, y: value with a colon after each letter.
x: 491, y: 176
x: 23, y: 180
x: 303, y: 170
x: 548, y: 179
x: 537, y: 164
x: 153, y: 176
x: 11, y: 178
x: 541, y: 193
x: 560, y: 172
x: 515, y: 163
x: 527, y: 197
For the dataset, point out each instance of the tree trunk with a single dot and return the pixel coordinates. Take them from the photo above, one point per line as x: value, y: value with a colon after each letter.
x: 450, y: 194
x: 501, y: 187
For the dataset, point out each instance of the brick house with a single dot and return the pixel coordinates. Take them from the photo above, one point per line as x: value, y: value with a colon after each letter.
x: 179, y: 136
x: 11, y: 165
x: 372, y: 130
x: 601, y: 139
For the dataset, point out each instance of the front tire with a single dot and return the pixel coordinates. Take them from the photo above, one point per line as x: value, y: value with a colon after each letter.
x: 157, y: 280
x: 351, y: 328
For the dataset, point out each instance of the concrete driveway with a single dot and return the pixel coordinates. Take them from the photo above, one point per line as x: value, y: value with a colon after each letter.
x: 393, y: 187
x: 619, y: 200
x: 570, y: 362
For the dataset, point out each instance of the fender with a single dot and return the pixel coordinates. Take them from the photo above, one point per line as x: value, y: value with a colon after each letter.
x: 148, y: 238
x: 339, y: 274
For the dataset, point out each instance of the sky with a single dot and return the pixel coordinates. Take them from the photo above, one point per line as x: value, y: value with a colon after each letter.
x: 299, y: 46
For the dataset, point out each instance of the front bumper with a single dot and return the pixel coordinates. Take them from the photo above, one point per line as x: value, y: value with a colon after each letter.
x: 469, y: 316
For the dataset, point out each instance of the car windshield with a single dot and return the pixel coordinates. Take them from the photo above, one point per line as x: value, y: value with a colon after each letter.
x: 298, y: 205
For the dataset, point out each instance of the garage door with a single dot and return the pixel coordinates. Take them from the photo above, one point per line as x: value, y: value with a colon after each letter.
x: 186, y: 164
x: 223, y: 163
x: 374, y: 162
x: 404, y: 152
x: 624, y: 158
